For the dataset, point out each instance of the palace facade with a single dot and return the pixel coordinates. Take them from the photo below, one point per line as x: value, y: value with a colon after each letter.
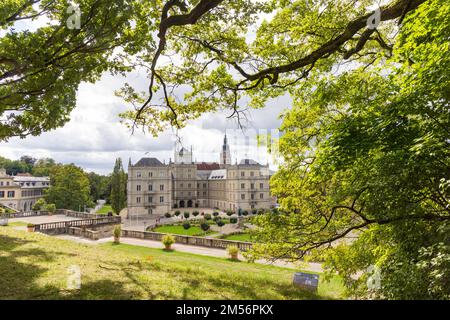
x: 156, y: 188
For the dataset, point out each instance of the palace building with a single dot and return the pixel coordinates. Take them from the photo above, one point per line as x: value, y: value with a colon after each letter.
x: 20, y: 192
x: 156, y: 188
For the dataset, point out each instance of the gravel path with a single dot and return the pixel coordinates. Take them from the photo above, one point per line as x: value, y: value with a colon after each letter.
x: 314, y: 267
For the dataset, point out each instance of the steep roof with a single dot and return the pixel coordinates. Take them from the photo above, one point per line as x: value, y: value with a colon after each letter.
x: 208, y: 166
x: 148, y: 162
x: 218, y: 174
x: 249, y: 162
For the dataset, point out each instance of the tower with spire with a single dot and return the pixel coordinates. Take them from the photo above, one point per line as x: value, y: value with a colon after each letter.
x: 225, y: 156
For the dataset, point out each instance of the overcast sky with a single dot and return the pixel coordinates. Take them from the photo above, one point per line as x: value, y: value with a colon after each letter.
x: 94, y: 137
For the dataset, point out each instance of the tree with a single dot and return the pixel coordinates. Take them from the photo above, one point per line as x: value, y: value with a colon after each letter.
x: 118, y: 187
x: 365, y: 181
x: 69, y: 188
x: 42, y: 167
x: 100, y: 186
x: 41, y: 69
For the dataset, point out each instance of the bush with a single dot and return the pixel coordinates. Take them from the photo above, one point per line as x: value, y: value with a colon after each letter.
x: 168, y: 240
x: 204, y: 226
x: 245, y: 212
x: 186, y: 225
x: 30, y: 225
x: 215, y: 213
x: 117, y: 233
x: 195, y: 213
x: 261, y: 211
x: 177, y: 213
x: 207, y: 216
x: 230, y: 213
x: 233, y: 220
x: 51, y: 207
x: 220, y: 223
x: 39, y: 205
x: 233, y: 251
x: 216, y: 219
x: 186, y: 214
x: 254, y: 211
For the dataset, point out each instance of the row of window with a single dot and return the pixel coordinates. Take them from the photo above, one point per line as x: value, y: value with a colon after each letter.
x: 150, y: 174
x: 150, y: 187
x: 28, y: 184
x: 252, y: 196
x: 150, y: 199
x: 10, y: 194
x: 31, y: 193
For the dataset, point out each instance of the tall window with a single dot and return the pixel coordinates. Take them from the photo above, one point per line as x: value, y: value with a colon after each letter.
x: 150, y: 199
x: 252, y: 186
x: 150, y: 187
x: 242, y: 174
x: 252, y: 173
x: 261, y: 185
x: 138, y: 187
x: 242, y: 196
x: 261, y: 195
x: 252, y: 196
x: 150, y: 174
x: 161, y: 187
x: 138, y: 199
x: 242, y: 185
x: 161, y: 199
x: 2, y: 194
x: 11, y: 194
x: 138, y: 174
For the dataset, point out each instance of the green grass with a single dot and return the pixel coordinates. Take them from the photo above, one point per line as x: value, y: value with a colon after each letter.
x: 35, y: 266
x: 105, y: 209
x: 174, y: 229
x: 17, y: 224
x: 239, y: 237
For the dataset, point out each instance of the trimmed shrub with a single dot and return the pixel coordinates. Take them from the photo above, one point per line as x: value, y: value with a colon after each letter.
x: 186, y: 214
x: 177, y: 213
x: 261, y: 211
x: 215, y: 213
x: 207, y: 216
x: 39, y: 205
x: 233, y: 251
x: 216, y: 219
x: 51, y: 207
x: 254, y: 211
x: 195, y: 213
x: 230, y: 213
x: 204, y: 226
x: 220, y: 223
x: 167, y: 215
x: 117, y: 233
x: 245, y: 212
x: 233, y: 220
x: 168, y: 240
x: 186, y: 225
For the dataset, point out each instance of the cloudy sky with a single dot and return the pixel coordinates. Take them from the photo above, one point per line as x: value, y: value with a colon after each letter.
x: 94, y: 137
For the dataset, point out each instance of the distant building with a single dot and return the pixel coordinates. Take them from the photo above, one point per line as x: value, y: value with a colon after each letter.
x: 157, y: 188
x: 21, y: 192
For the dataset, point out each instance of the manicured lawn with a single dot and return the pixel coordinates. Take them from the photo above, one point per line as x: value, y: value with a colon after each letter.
x: 35, y: 266
x: 105, y: 209
x: 192, y: 231
x: 239, y: 237
x: 17, y: 224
